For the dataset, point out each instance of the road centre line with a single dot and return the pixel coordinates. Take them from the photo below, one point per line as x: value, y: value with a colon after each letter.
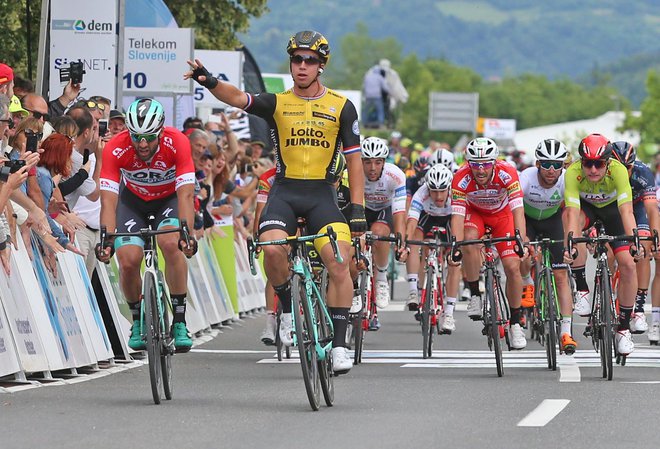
x: 544, y: 413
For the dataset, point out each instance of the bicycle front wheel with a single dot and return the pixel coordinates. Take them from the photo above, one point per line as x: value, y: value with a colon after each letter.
x: 303, y: 324
x: 550, y: 315
x: 427, y: 329
x: 152, y: 329
x: 357, y: 320
x: 607, y: 326
x: 494, y: 316
x: 325, y: 365
x: 167, y: 344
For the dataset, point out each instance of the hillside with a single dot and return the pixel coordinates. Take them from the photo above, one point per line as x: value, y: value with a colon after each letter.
x: 494, y: 37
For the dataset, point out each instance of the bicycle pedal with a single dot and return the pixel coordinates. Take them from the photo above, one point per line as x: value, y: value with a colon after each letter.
x: 444, y: 332
x: 484, y: 331
x: 475, y: 318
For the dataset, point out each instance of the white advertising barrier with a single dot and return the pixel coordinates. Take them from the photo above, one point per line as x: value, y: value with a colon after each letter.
x: 84, y: 299
x: 251, y: 296
x: 499, y: 128
x: 227, y: 66
x: 8, y: 358
x: 155, y: 60
x: 87, y: 31
x: 121, y: 313
x: 200, y: 284
x: 216, y: 282
x: 195, y: 319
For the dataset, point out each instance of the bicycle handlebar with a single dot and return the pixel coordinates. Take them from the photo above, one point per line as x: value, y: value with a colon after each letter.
x: 601, y: 239
x: 457, y: 255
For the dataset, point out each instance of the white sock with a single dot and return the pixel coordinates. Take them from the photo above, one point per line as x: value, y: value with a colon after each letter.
x: 449, y: 306
x: 412, y: 282
x: 527, y: 280
x: 566, y: 325
x: 381, y: 273
x: 655, y: 314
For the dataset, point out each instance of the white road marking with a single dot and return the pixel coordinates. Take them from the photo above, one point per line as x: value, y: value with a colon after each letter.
x: 569, y: 371
x: 643, y: 382
x: 544, y: 413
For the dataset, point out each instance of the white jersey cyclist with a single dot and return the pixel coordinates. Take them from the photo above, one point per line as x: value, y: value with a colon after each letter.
x: 422, y: 202
x: 388, y: 190
x: 540, y: 202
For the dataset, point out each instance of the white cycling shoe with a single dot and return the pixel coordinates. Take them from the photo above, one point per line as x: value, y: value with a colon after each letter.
x: 341, y: 361
x: 517, y: 335
x: 447, y: 323
x: 582, y: 306
x: 654, y: 334
x: 357, y: 304
x: 382, y: 294
x: 638, y: 324
x: 286, y: 329
x: 474, y: 308
x: 624, y: 342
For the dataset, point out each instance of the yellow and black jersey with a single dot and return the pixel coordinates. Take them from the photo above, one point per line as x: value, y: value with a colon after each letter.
x: 308, y: 133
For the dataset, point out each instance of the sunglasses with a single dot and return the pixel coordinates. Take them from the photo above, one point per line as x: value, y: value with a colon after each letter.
x: 590, y: 164
x: 10, y: 123
x: 547, y: 165
x: 38, y: 115
x: 307, y: 59
x: 147, y: 137
x: 90, y: 104
x: 482, y: 165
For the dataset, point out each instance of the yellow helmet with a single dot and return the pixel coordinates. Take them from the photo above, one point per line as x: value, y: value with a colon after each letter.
x: 310, y: 40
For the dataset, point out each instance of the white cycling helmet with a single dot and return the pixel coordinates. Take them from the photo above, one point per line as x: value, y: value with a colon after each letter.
x: 442, y: 156
x: 481, y: 149
x: 145, y: 116
x: 551, y: 150
x: 439, y: 177
x: 374, y: 148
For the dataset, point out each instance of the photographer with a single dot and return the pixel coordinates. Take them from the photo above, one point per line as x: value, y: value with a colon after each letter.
x: 74, y: 76
x: 26, y: 139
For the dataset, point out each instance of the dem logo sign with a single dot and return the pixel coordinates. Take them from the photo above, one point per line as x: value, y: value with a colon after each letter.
x: 92, y: 25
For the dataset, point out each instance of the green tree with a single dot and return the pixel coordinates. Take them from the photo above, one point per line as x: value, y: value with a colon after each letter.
x: 13, y: 27
x: 648, y: 123
x: 217, y: 22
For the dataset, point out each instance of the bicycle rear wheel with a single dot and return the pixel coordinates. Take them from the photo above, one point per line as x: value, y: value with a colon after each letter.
x: 278, y: 340
x: 494, y: 317
x: 550, y: 320
x: 358, y: 319
x: 427, y: 329
x: 607, y: 326
x: 325, y: 366
x: 304, y: 339
x: 167, y: 345
x: 152, y: 326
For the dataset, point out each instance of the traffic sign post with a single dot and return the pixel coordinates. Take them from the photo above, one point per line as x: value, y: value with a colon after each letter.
x: 453, y: 111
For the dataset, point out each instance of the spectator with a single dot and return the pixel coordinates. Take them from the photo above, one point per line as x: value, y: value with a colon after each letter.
x: 16, y: 110
x: 117, y: 122
x: 257, y: 147
x: 102, y: 104
x: 397, y: 92
x: 37, y: 106
x: 22, y: 87
x: 59, y: 106
x: 193, y: 122
x: 85, y: 140
x: 6, y: 80
x: 199, y: 144
x: 374, y: 87
x: 18, y: 144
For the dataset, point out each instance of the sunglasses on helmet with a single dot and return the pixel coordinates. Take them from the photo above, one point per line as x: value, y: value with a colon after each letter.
x: 307, y: 59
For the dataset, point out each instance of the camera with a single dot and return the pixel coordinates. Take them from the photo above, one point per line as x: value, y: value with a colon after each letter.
x: 74, y: 72
x: 32, y: 140
x: 9, y: 168
x: 103, y: 127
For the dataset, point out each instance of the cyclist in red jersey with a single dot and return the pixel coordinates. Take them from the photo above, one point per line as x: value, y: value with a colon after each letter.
x: 487, y: 193
x: 148, y: 170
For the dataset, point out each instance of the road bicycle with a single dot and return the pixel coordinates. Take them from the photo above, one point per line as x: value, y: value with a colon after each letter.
x: 311, y: 320
x: 155, y: 307
x: 495, y: 309
x: 431, y: 304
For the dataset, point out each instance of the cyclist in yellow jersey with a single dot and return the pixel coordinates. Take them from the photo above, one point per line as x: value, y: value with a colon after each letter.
x: 597, y: 188
x: 310, y: 125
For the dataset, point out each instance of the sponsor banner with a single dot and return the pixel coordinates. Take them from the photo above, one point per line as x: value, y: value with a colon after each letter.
x: 252, y: 297
x: 8, y: 357
x: 198, y: 282
x: 499, y: 128
x: 216, y: 282
x: 227, y: 66
x: 80, y: 288
x: 155, y: 59
x: 223, y: 249
x: 121, y: 314
x: 85, y: 31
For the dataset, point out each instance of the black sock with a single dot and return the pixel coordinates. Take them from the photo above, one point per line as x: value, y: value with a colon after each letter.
x: 339, y: 317
x: 640, y: 300
x: 474, y: 288
x: 580, y: 279
x: 179, y: 307
x: 515, y: 315
x: 283, y: 293
x: 624, y: 317
x: 135, y: 310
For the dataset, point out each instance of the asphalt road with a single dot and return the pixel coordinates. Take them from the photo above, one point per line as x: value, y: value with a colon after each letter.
x: 232, y: 392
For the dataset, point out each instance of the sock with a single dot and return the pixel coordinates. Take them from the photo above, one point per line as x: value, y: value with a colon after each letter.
x: 283, y: 293
x: 381, y: 273
x: 515, y: 315
x: 449, y: 306
x: 655, y: 314
x: 624, y: 317
x: 135, y: 310
x: 412, y: 282
x: 527, y: 280
x: 339, y: 317
x: 179, y: 307
x: 640, y: 300
x: 566, y: 325
x: 474, y: 288
x: 580, y: 279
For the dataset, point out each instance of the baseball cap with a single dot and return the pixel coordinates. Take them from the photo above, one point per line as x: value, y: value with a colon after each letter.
x: 6, y: 73
x: 405, y: 143
x: 258, y: 142
x: 114, y: 113
x: 15, y: 106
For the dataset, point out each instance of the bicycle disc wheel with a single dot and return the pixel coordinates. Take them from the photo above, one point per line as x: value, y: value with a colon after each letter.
x: 325, y: 365
x: 426, y: 316
x: 358, y: 320
x: 607, y: 323
x: 304, y: 340
x: 152, y: 326
x: 551, y: 320
x: 167, y: 349
x: 494, y: 318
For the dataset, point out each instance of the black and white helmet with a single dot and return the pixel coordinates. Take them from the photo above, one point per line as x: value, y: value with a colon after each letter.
x: 374, y: 148
x: 439, y: 177
x: 481, y: 149
x: 551, y: 150
x: 442, y: 156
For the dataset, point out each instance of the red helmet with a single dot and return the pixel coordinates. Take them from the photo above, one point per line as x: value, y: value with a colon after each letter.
x: 595, y: 147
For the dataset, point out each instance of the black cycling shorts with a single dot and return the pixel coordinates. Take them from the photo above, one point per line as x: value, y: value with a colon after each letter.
x: 379, y: 216
x: 611, y: 219
x: 553, y: 229
x: 427, y: 222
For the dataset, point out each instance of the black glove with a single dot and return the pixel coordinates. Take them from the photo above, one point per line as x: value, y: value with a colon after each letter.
x: 210, y: 82
x: 358, y: 222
